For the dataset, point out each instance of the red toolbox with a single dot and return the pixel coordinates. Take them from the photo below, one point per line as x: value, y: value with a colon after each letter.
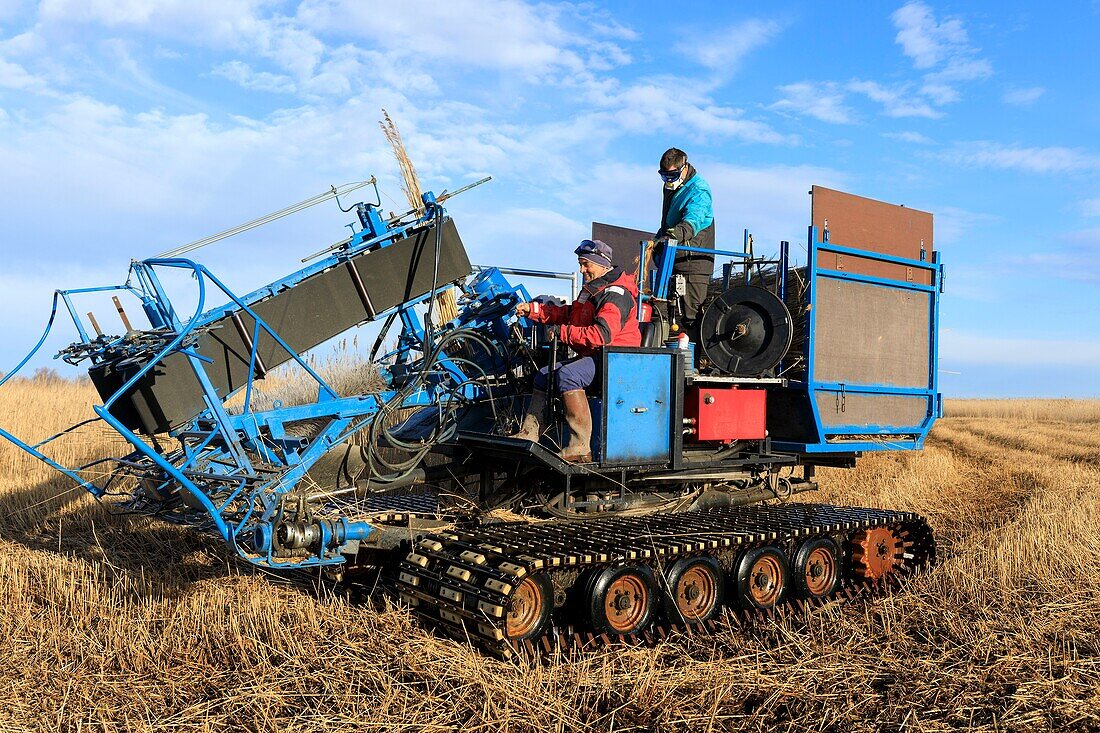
x: 725, y: 413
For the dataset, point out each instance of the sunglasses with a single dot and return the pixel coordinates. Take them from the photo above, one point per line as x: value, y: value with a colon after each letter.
x: 588, y: 247
x: 670, y: 176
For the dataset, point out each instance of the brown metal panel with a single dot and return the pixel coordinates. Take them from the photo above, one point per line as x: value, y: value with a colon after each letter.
x: 863, y: 223
x: 874, y: 268
x: 624, y: 243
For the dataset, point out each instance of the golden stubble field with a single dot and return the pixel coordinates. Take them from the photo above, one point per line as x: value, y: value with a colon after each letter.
x: 128, y: 624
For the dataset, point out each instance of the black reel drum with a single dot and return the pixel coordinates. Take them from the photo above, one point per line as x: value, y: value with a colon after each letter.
x: 746, y: 331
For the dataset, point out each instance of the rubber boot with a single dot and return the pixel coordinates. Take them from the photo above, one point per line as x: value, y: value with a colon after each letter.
x: 531, y: 427
x: 579, y: 418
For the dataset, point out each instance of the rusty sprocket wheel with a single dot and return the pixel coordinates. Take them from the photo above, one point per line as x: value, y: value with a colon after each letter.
x: 876, y: 553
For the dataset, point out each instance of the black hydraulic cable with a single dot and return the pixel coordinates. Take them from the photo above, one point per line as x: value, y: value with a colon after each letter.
x: 429, y: 327
x: 381, y: 336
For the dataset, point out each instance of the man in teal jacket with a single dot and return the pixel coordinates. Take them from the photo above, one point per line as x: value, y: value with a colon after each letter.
x: 687, y: 217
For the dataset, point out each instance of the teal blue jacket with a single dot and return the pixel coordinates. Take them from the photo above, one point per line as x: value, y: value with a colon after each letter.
x: 689, y: 214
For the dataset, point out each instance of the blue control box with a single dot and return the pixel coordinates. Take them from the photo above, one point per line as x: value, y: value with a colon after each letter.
x: 641, y: 406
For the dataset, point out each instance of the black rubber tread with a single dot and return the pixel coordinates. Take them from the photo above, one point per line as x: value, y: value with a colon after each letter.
x: 461, y: 581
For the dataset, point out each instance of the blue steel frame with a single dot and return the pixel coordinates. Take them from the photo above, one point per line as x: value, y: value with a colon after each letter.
x: 661, y: 274
x: 243, y: 503
x: 813, y: 387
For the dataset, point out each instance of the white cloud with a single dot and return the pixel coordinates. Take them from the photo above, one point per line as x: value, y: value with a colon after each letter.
x: 1091, y: 207
x: 1054, y: 159
x: 823, y: 101
x: 1023, y: 96
x: 220, y: 21
x: 940, y: 94
x: 524, y: 237
x: 14, y: 76
x: 952, y: 224
x: 166, y: 54
x: 12, y: 8
x: 127, y: 72
x: 1072, y: 256
x: 943, y: 49
x: 925, y: 40
x: 897, y: 101
x: 644, y: 107
x: 226, y: 24
x: 722, y: 51
x: 975, y: 283
x: 910, y: 137
x: 1086, y: 242
x: 962, y: 68
x: 940, y: 49
x: 263, y: 81
x: 497, y: 34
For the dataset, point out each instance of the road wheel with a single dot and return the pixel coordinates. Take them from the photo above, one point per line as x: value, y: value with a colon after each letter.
x: 762, y: 577
x: 694, y: 590
x: 817, y: 568
x: 622, y: 600
x: 529, y: 608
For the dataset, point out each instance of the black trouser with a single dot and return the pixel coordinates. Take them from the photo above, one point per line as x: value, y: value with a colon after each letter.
x: 696, y: 292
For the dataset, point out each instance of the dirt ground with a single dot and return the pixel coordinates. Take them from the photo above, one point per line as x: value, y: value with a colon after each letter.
x: 128, y: 624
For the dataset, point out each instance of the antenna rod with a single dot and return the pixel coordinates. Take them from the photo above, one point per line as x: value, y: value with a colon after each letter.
x: 267, y: 219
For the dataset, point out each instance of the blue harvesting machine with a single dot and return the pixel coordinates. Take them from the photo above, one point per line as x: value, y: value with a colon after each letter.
x: 688, y: 509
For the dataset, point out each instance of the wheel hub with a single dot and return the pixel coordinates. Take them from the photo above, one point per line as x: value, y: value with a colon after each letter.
x: 626, y: 603
x: 622, y: 602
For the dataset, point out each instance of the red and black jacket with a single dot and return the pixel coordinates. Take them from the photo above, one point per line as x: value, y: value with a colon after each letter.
x: 604, y: 314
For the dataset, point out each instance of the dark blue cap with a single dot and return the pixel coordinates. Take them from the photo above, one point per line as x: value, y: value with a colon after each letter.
x: 595, y: 251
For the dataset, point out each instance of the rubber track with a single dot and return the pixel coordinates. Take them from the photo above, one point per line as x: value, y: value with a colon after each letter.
x: 462, y: 581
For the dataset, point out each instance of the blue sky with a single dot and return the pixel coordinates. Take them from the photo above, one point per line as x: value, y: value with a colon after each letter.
x: 129, y: 127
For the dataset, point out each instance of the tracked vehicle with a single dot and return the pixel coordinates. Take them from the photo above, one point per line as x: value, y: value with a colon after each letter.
x: 689, y: 508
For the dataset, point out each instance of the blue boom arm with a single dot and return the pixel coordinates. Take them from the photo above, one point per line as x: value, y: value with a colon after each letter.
x: 244, y: 473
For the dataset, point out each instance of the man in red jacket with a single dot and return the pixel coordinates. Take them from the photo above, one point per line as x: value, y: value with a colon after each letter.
x: 604, y: 314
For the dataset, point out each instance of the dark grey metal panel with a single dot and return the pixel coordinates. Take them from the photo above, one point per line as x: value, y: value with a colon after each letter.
x: 870, y: 334
x: 872, y: 409
x: 313, y: 311
x: 625, y: 243
x: 790, y: 416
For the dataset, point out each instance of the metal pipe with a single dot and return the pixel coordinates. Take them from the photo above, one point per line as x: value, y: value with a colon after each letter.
x: 95, y: 324
x: 122, y: 314
x: 261, y: 369
x: 361, y: 289
x: 551, y: 379
x: 546, y: 274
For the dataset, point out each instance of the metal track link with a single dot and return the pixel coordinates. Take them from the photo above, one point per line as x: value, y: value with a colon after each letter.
x: 463, y: 581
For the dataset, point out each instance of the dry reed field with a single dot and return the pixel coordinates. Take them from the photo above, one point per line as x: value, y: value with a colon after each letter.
x: 113, y: 623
